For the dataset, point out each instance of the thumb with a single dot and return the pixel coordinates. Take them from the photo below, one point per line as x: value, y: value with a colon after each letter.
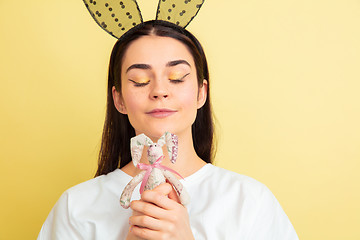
x: 163, y: 189
x: 166, y: 189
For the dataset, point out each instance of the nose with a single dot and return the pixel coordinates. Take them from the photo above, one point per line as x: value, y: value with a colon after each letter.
x: 159, y: 90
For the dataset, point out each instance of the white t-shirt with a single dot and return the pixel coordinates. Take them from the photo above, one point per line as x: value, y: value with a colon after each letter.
x: 224, y: 205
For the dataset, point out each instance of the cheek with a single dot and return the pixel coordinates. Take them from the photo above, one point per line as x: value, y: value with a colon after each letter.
x: 132, y: 100
x: 133, y: 106
x: 189, y: 97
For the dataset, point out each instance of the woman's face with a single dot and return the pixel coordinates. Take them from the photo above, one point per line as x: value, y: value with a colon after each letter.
x: 159, y: 87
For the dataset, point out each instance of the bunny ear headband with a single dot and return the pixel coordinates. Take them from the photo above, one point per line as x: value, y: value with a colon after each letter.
x: 118, y: 16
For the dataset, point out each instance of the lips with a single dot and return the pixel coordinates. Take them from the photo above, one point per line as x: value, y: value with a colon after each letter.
x: 161, y: 112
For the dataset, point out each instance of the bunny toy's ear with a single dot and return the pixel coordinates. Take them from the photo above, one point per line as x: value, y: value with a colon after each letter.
x: 171, y: 146
x: 137, y: 145
x: 161, y: 140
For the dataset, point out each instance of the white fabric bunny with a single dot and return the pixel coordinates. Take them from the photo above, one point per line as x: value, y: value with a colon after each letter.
x: 154, y: 173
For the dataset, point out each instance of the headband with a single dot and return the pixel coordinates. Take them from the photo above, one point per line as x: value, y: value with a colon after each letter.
x: 117, y: 17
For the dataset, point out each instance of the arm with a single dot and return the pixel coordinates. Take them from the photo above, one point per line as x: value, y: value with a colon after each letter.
x: 271, y: 221
x: 129, y: 188
x: 60, y: 224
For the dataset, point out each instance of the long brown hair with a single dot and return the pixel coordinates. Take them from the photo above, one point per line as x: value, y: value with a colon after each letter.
x: 115, y: 145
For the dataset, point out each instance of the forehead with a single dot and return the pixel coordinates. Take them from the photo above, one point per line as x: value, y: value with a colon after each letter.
x: 156, y: 51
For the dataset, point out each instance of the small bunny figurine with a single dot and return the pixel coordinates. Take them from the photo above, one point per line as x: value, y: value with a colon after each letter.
x: 155, y: 173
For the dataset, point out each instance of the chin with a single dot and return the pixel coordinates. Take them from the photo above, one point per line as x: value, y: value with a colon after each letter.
x: 153, y: 134
x: 156, y: 130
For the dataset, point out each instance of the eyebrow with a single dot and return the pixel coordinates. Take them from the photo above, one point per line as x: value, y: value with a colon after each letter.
x: 147, y: 66
x: 139, y: 66
x: 177, y: 62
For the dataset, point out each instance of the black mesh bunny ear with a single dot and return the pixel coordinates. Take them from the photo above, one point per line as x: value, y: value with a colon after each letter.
x: 114, y: 16
x: 180, y: 12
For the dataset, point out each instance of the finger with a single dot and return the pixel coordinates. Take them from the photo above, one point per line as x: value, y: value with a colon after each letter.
x: 149, y: 234
x: 140, y: 207
x: 173, y: 195
x: 144, y: 221
x: 136, y: 213
x: 157, y: 197
x: 163, y: 189
x: 168, y: 190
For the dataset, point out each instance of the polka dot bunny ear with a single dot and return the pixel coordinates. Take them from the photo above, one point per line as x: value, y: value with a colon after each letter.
x: 118, y: 16
x: 179, y: 12
x: 114, y: 16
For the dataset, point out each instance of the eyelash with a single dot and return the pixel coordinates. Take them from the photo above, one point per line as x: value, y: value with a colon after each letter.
x: 179, y: 80
x: 175, y: 81
x: 136, y: 84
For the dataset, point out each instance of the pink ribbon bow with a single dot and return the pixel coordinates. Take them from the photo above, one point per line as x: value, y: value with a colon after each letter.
x: 148, y: 168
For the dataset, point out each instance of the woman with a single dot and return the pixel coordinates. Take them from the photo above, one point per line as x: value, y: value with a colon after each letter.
x: 159, y: 81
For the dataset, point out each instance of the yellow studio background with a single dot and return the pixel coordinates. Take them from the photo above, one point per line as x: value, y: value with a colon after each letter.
x: 285, y: 86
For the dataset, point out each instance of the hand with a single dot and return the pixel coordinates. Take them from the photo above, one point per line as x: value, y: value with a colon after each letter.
x: 159, y: 215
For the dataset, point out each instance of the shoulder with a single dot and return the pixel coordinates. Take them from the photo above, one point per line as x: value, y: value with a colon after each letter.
x: 234, y: 187
x: 218, y: 185
x: 93, y: 190
x: 81, y: 206
x: 227, y: 181
x: 247, y: 205
x: 108, y: 182
x: 267, y: 219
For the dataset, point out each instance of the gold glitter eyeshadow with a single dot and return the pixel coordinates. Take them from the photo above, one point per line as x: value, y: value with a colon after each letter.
x: 175, y: 75
x: 142, y: 80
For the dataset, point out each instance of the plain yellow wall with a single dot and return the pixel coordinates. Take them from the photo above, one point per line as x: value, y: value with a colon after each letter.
x: 285, y: 86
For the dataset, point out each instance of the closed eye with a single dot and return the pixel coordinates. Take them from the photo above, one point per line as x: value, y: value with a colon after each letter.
x: 176, y: 80
x: 137, y: 84
x: 179, y: 80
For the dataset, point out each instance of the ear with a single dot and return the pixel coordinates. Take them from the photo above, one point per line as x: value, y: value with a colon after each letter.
x: 118, y: 101
x: 172, y: 146
x: 161, y: 140
x: 137, y: 145
x: 202, y: 94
